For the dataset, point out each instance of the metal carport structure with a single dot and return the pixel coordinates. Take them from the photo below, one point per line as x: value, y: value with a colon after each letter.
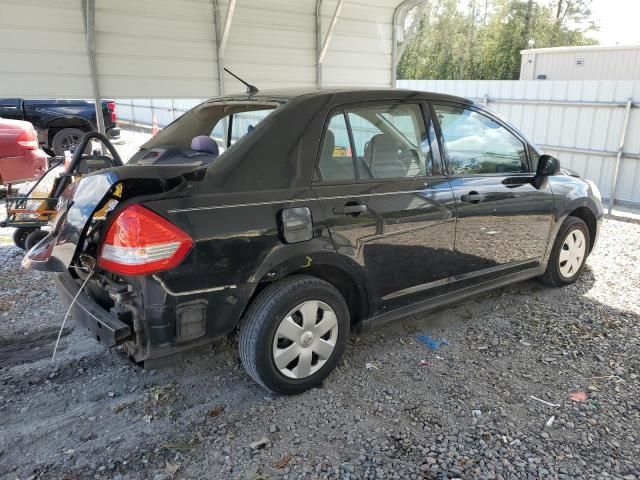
x: 178, y: 48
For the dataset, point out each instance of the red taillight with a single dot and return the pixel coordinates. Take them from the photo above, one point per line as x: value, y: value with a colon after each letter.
x: 111, y: 106
x: 141, y: 242
x: 28, y: 139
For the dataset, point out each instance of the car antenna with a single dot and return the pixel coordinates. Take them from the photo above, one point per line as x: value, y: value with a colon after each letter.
x: 251, y: 89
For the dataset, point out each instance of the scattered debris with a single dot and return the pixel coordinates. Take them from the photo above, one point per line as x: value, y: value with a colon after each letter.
x: 426, y: 363
x: 171, y: 468
x: 550, y: 421
x: 264, y: 442
x: 544, y: 401
x: 578, y: 396
x: 284, y: 461
x: 371, y: 366
x: 215, y: 411
x: 122, y: 406
x: 476, y: 413
x: 433, y: 344
x: 179, y: 445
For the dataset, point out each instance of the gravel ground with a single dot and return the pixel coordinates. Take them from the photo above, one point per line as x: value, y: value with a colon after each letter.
x: 394, y: 409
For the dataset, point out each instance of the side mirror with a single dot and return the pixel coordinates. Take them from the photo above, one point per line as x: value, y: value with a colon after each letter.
x: 547, y: 165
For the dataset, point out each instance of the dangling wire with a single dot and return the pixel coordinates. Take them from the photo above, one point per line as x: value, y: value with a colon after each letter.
x: 64, y: 320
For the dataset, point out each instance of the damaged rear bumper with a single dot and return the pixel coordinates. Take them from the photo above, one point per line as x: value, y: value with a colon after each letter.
x: 103, y: 326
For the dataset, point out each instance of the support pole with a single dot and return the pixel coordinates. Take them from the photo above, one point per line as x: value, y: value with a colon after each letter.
x: 222, y: 37
x: 323, y: 46
x: 616, y: 171
x: 89, y: 17
x: 399, y: 17
x: 217, y: 19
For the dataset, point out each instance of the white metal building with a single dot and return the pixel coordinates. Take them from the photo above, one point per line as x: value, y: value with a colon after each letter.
x: 178, y: 48
x: 597, y: 62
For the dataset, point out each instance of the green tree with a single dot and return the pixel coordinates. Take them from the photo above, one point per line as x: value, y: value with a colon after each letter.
x: 482, y: 39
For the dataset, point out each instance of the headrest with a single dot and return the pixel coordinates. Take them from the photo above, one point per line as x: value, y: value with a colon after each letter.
x: 328, y: 145
x: 204, y: 143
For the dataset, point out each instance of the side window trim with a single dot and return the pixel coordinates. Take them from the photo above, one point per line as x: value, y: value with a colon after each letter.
x: 438, y: 167
x: 343, y: 108
x: 352, y: 145
x: 486, y: 114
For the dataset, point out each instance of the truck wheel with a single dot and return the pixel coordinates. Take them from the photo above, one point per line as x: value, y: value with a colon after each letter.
x: 294, y: 334
x: 569, y: 254
x: 33, y: 238
x: 66, y: 139
x: 20, y: 236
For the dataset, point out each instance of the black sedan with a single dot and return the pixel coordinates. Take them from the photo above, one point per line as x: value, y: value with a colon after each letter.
x: 299, y: 216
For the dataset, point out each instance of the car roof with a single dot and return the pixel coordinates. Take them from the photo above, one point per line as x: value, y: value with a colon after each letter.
x: 358, y: 94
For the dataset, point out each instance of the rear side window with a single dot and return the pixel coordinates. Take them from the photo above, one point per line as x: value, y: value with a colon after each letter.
x: 476, y: 144
x: 375, y: 142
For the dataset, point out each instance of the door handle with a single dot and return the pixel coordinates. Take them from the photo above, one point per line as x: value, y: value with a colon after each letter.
x: 353, y: 209
x: 472, y: 197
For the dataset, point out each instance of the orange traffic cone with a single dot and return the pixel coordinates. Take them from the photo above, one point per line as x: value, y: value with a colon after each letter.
x: 154, y: 127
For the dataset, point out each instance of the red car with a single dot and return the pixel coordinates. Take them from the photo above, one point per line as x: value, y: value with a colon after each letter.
x: 21, y: 158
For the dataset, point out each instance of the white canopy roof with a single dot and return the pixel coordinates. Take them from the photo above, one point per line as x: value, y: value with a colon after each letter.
x: 177, y: 48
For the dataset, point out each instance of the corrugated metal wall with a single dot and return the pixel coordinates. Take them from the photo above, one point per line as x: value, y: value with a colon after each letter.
x: 38, y: 41
x: 614, y: 63
x: 167, y: 48
x: 360, y: 51
x: 146, y: 47
x: 563, y: 117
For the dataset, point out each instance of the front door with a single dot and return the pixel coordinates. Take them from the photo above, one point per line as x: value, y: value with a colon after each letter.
x: 387, y: 204
x: 504, y: 220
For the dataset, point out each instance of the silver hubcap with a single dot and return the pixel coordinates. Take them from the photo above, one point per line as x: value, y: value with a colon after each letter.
x: 305, y: 339
x: 572, y: 253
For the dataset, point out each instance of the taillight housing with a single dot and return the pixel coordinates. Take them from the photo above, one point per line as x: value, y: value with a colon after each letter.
x: 111, y: 106
x: 28, y: 139
x: 141, y: 242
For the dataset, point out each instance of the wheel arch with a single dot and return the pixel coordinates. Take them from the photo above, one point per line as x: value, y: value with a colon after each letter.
x: 67, y: 122
x: 589, y: 217
x: 331, y: 268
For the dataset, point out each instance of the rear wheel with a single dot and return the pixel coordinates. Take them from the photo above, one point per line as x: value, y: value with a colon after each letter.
x: 294, y: 334
x: 20, y: 236
x: 66, y: 139
x: 569, y: 254
x: 33, y: 238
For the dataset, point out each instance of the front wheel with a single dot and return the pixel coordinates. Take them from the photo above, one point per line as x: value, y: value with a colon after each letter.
x: 294, y: 334
x: 569, y: 254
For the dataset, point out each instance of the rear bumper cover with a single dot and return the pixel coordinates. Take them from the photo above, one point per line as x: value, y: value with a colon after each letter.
x: 103, y: 326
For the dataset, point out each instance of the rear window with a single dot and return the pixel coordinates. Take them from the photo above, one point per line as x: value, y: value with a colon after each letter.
x: 233, y: 127
x: 225, y: 122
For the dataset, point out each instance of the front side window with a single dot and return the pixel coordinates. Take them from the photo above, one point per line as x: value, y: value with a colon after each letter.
x: 476, y: 144
x: 375, y: 142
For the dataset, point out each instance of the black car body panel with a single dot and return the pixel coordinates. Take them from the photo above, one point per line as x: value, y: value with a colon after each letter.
x: 51, y: 115
x: 416, y: 243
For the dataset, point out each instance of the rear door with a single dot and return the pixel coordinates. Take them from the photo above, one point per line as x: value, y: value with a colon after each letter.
x: 388, y: 205
x: 503, y: 219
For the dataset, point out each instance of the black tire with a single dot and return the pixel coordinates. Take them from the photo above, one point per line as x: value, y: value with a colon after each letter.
x: 264, y: 316
x: 66, y: 139
x: 553, y: 275
x: 33, y: 238
x: 20, y: 236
